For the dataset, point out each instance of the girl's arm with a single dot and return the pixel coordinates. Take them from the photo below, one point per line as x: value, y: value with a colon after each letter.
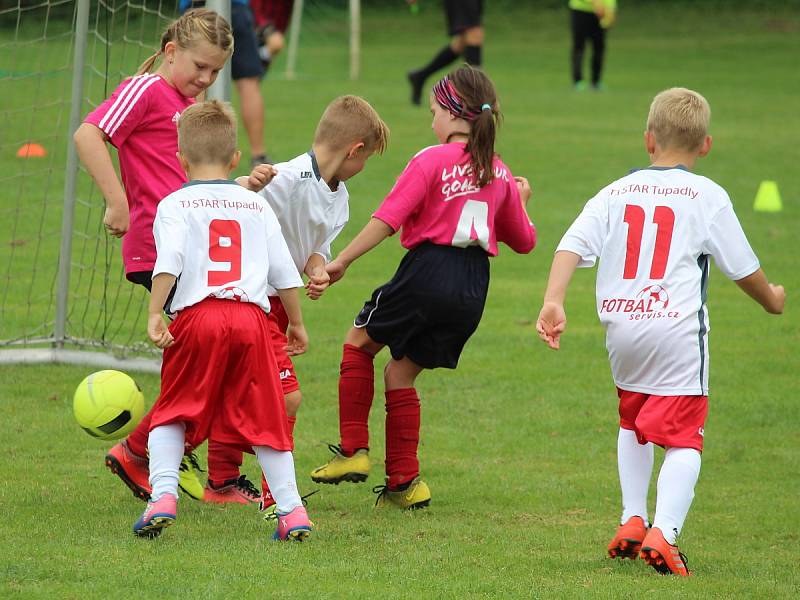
x: 90, y: 142
x: 373, y: 234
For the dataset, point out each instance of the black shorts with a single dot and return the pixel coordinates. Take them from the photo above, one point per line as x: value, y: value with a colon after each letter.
x: 245, y: 62
x: 462, y: 15
x: 431, y: 306
x: 145, y: 278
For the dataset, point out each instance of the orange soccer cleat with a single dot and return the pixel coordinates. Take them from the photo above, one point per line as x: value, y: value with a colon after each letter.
x: 663, y: 556
x: 628, y: 540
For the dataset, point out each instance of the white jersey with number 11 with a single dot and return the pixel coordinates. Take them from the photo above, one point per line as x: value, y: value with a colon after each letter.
x: 653, y: 232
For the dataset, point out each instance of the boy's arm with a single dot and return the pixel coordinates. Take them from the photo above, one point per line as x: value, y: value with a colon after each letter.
x: 552, y: 319
x: 373, y: 234
x: 318, y: 278
x: 296, y: 332
x: 90, y: 141
x: 771, y: 297
x: 156, y: 328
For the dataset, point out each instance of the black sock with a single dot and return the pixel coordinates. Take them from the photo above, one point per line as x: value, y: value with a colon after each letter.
x: 472, y: 55
x: 442, y: 59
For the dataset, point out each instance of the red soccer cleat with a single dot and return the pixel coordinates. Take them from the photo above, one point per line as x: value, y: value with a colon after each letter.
x: 132, y: 469
x: 663, y: 556
x: 233, y: 491
x: 628, y: 540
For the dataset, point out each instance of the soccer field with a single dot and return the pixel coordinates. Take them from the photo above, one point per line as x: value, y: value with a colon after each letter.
x: 519, y: 444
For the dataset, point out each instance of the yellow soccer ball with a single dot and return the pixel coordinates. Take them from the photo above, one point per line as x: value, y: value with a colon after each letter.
x: 108, y: 404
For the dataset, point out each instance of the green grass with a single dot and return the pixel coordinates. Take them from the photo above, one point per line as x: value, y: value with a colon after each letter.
x: 518, y: 444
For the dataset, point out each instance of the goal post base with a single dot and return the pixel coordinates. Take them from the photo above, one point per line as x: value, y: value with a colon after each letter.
x: 77, y: 357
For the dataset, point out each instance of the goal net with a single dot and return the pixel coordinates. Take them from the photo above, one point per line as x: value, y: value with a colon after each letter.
x: 62, y: 284
x: 63, y: 293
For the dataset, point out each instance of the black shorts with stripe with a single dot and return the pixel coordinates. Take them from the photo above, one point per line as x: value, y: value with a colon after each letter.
x: 462, y: 15
x: 431, y: 306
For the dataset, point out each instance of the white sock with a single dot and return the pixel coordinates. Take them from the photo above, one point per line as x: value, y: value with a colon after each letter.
x: 165, y: 446
x: 676, y: 490
x: 278, y: 469
x: 635, y: 463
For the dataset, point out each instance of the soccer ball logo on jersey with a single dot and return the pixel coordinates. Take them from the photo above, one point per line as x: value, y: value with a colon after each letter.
x: 651, y: 302
x: 231, y: 293
x: 656, y: 296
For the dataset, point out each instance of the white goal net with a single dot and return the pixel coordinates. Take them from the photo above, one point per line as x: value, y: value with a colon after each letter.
x: 63, y: 293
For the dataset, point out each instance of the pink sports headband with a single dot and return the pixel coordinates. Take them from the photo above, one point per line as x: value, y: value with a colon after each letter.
x: 448, y: 98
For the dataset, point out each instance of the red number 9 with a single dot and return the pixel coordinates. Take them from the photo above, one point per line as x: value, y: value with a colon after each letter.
x: 225, y: 246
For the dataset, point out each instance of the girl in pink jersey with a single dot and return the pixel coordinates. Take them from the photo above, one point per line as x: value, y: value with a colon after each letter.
x: 454, y: 202
x: 140, y: 120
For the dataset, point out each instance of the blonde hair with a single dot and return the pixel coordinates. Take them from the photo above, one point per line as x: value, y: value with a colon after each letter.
x: 351, y: 119
x: 679, y: 118
x: 207, y: 133
x: 195, y: 25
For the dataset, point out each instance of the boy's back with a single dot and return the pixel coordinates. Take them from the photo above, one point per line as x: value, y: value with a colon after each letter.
x: 653, y: 232
x: 310, y: 213
x: 224, y: 241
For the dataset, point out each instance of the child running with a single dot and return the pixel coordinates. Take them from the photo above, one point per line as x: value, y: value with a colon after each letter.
x: 310, y: 200
x: 654, y: 232
x: 223, y: 246
x: 140, y: 121
x: 454, y: 202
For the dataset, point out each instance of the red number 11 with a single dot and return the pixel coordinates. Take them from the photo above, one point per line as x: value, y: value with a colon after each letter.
x: 664, y: 219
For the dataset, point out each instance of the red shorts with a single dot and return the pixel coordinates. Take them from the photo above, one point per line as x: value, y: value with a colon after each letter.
x: 669, y: 421
x: 220, y: 378
x: 279, y: 323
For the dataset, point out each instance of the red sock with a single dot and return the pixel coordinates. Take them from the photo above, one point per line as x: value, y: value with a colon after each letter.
x: 223, y: 462
x: 137, y: 440
x: 402, y: 435
x: 356, y: 387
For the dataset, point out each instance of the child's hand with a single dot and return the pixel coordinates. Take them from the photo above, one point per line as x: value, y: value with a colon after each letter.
x: 317, y: 283
x: 116, y: 220
x: 297, y: 340
x: 780, y: 298
x: 335, y: 270
x: 157, y: 331
x: 260, y: 176
x: 551, y: 324
x: 524, y: 189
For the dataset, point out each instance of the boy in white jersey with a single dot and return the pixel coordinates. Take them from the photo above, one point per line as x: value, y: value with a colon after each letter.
x: 654, y: 232
x: 223, y: 246
x: 310, y: 200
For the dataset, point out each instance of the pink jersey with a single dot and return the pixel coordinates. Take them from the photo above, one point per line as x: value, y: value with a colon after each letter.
x: 435, y: 200
x: 140, y: 119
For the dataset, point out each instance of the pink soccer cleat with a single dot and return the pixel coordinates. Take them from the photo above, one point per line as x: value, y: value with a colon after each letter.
x: 156, y: 516
x: 293, y: 526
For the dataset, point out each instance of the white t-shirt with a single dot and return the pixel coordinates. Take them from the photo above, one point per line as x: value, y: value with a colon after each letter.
x: 310, y: 214
x: 221, y: 240
x: 653, y: 232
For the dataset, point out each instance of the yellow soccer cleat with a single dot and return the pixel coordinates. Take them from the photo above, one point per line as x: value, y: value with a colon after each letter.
x: 189, y: 480
x: 343, y: 468
x: 416, y: 495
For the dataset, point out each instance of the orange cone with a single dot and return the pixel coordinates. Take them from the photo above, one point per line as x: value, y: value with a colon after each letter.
x: 31, y: 150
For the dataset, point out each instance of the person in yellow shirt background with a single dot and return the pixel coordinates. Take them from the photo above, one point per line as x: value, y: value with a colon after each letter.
x: 590, y: 19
